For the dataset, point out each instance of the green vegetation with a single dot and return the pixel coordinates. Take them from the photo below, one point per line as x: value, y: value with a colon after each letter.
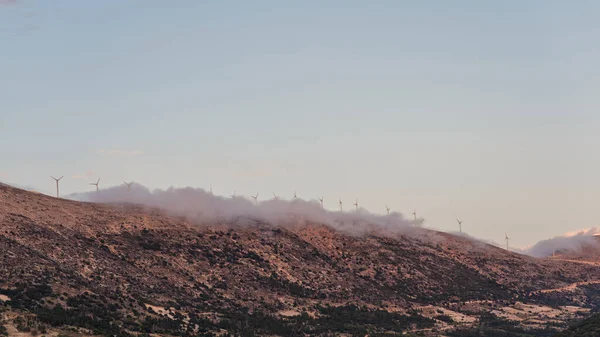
x: 589, y: 327
x: 352, y: 320
x: 105, y: 317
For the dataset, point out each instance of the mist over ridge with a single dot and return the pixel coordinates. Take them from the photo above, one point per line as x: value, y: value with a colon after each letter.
x: 201, y: 207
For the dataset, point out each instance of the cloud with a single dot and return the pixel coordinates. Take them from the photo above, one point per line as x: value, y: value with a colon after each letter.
x: 120, y: 152
x: 201, y: 207
x: 584, y: 232
x: 574, y: 241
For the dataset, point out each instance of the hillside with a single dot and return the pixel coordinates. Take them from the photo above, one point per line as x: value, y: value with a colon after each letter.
x: 127, y: 270
x: 587, y: 251
x: 589, y: 327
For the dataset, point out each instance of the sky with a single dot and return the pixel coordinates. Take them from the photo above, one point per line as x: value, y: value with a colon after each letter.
x: 483, y: 111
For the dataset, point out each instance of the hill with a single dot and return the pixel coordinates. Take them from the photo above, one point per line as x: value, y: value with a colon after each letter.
x: 122, y: 269
x: 589, y: 327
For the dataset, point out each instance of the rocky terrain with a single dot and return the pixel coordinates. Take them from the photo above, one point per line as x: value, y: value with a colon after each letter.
x: 72, y: 268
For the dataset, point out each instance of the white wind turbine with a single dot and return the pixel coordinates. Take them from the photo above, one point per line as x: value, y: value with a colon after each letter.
x: 128, y: 185
x: 414, y: 213
x: 96, y: 184
x: 295, y: 196
x: 506, y: 238
x: 275, y: 197
x: 356, y: 205
x: 387, y: 209
x: 57, y: 180
x: 321, y: 200
x: 341, y: 205
x: 233, y: 195
x: 255, y: 197
x: 459, y: 225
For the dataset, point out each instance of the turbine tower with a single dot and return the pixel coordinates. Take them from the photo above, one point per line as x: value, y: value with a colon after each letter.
x: 387, y: 209
x: 414, y: 213
x: 211, y: 193
x: 506, y: 238
x: 275, y: 197
x: 321, y: 200
x: 459, y: 225
x: 96, y: 184
x: 255, y: 197
x: 295, y: 196
x: 341, y: 205
x: 128, y: 185
x: 356, y: 205
x: 57, y: 180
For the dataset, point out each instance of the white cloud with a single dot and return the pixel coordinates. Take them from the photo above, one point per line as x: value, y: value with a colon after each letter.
x: 572, y: 241
x: 201, y: 206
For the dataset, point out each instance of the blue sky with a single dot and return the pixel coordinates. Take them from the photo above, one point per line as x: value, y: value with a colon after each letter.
x: 487, y: 111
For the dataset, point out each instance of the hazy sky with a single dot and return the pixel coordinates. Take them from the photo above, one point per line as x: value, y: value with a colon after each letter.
x: 482, y: 110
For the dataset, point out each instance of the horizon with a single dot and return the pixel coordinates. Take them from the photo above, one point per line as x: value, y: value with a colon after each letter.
x: 484, y: 112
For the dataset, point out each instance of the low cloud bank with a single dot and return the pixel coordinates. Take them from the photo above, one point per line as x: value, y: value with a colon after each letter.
x: 201, y: 207
x: 573, y: 242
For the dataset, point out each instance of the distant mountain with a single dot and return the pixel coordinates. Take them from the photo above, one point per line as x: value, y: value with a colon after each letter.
x: 121, y: 269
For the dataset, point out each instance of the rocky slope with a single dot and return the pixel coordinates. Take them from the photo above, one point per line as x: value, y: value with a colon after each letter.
x: 126, y: 270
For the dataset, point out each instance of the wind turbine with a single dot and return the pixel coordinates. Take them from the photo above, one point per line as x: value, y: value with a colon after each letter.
x: 211, y: 193
x: 96, y: 184
x: 356, y: 205
x: 233, y: 195
x: 414, y: 213
x: 255, y: 197
x: 341, y: 205
x: 387, y: 209
x: 506, y: 238
x: 128, y: 185
x: 275, y: 196
x: 57, y: 180
x: 321, y: 200
x: 459, y: 225
x: 295, y: 196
